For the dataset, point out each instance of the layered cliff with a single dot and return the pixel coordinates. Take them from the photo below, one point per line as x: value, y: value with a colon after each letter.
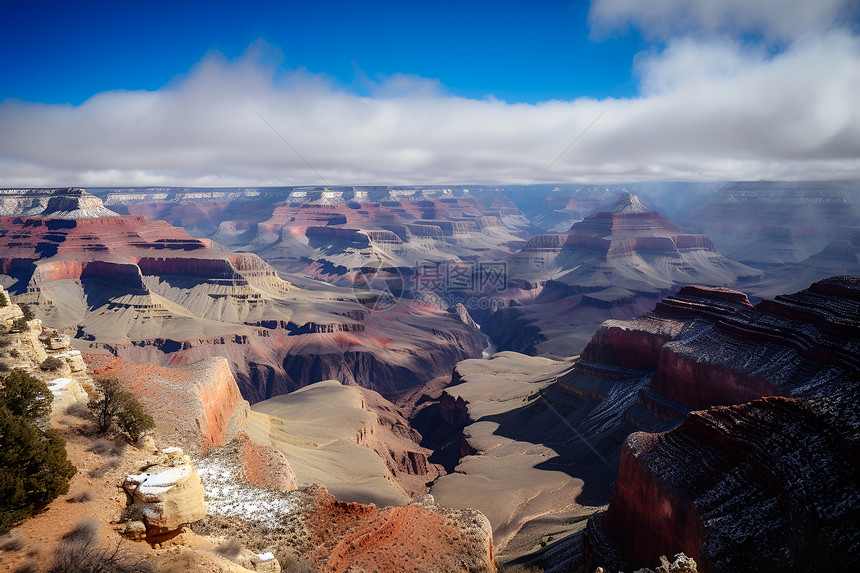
x: 629, y: 246
x: 196, y: 407
x: 614, y: 264
x: 772, y: 482
x: 348, y: 439
x: 766, y: 469
x: 148, y: 292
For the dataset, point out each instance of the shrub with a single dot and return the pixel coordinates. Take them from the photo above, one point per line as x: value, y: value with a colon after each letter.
x: 34, y: 468
x: 133, y: 420
x: 25, y: 396
x: 11, y: 542
x: 52, y: 363
x: 107, y: 447
x: 116, y: 404
x: 4, y: 367
x: 79, y: 410
x: 3, y: 299
x: 28, y: 567
x: 28, y: 312
x: 81, y: 552
x: 81, y: 497
x: 230, y: 549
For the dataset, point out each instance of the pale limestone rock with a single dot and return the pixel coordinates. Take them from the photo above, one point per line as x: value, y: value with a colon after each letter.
x: 170, y: 493
x: 135, y: 530
x: 75, y: 360
x: 146, y: 443
x: 681, y: 564
x: 66, y: 391
x: 265, y: 563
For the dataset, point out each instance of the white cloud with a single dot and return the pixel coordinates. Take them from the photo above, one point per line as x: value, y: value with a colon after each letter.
x: 778, y: 20
x: 712, y: 109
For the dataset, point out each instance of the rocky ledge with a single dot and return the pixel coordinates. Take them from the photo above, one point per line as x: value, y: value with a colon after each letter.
x: 772, y: 482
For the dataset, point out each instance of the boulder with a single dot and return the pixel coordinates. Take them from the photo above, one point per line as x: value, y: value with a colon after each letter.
x: 169, y: 492
x: 66, y: 391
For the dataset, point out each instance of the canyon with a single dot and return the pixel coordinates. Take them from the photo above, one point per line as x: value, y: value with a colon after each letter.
x: 146, y: 291
x: 639, y: 390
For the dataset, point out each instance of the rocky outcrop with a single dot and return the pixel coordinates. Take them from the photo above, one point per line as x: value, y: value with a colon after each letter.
x: 772, y: 482
x: 76, y: 204
x: 734, y: 482
x: 423, y: 536
x: 198, y: 406
x: 265, y: 466
x: 168, y: 493
x: 351, y: 440
x: 631, y: 247
x: 614, y: 264
x: 708, y: 346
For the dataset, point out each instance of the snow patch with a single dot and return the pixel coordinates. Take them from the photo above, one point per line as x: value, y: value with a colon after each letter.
x: 227, y: 494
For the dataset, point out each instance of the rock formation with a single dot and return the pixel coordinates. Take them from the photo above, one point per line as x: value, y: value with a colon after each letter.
x: 350, y: 440
x: 616, y: 263
x: 772, y: 482
x: 196, y: 406
x: 736, y: 482
x: 707, y: 346
x: 44, y: 353
x: 421, y: 536
x: 148, y: 292
x: 168, y: 493
x: 766, y: 222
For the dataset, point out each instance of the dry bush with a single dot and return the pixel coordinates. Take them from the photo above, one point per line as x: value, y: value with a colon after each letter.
x: 79, y: 410
x: 100, y: 471
x: 52, y: 364
x: 107, y: 447
x: 230, y: 549
x: 11, y: 542
x: 80, y: 552
x: 28, y: 567
x: 87, y: 529
x: 81, y: 497
x: 182, y: 563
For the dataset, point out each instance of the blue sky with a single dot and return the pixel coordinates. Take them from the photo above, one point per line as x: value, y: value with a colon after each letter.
x: 127, y: 93
x: 65, y: 52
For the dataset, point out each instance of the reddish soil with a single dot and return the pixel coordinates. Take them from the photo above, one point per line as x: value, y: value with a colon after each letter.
x: 350, y: 534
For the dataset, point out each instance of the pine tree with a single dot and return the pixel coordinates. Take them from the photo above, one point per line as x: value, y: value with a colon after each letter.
x: 34, y: 468
x: 116, y: 404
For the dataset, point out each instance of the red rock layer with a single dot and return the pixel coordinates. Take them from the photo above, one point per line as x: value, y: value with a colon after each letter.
x: 264, y: 466
x: 196, y: 407
x: 772, y: 482
x: 709, y: 346
x: 349, y: 536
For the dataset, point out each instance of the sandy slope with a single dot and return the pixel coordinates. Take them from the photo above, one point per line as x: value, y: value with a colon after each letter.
x: 320, y: 429
x: 503, y: 479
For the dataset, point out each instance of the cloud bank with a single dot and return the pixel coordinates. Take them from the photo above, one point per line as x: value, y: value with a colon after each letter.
x: 712, y: 108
